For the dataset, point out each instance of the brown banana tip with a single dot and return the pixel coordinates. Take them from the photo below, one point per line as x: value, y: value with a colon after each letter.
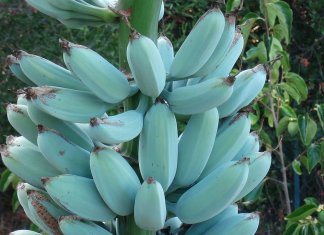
x: 150, y: 180
x: 64, y: 44
x: 45, y: 180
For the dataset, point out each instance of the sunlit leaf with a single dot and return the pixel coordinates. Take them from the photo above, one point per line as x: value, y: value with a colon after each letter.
x: 307, y: 129
x: 301, y: 212
x: 296, y: 167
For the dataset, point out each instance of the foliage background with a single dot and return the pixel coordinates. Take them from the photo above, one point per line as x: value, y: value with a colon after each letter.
x: 21, y: 27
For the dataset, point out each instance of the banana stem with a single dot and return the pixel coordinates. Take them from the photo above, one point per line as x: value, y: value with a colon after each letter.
x: 144, y: 18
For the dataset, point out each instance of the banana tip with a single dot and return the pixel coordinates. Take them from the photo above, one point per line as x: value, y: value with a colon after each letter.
x: 10, y: 60
x: 45, y: 180
x: 150, y: 180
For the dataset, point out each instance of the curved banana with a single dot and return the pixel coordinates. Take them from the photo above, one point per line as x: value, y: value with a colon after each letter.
x: 246, y: 87
x: 201, y: 96
x: 72, y: 225
x: 24, y: 232
x: 44, y: 213
x: 21, y: 99
x: 146, y: 65
x: 20, y: 141
x: 212, y: 194
x: 195, y: 146
x: 66, y: 104
x: 27, y: 163
x: 233, y: 53
x: 258, y: 168
x: 64, y: 155
x: 251, y: 145
x: 158, y: 145
x: 161, y: 10
x: 15, y: 68
x: 43, y: 72
x: 241, y: 224
x: 22, y: 196
x: 118, y: 128
x: 172, y: 224
x: 68, y: 129
x: 228, y: 142
x: 100, y: 76
x: 78, y: 195
x: 166, y: 51
x: 221, y: 49
x: 19, y: 119
x: 115, y: 180
x: 150, y: 210
x: 198, y: 46
x: 203, y: 227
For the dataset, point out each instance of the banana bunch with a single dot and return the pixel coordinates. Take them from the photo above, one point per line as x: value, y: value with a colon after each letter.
x: 195, y: 154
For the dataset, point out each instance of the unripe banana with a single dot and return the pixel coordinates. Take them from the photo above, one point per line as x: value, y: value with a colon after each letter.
x: 203, y: 227
x: 198, y: 46
x: 118, y: 128
x: 233, y: 53
x: 251, y: 145
x: 146, y: 65
x: 42, y: 214
x: 161, y: 10
x: 22, y: 196
x: 258, y: 168
x: 19, y: 119
x: 46, y: 7
x: 246, y: 87
x: 195, y: 146
x: 43, y: 72
x: 66, y: 104
x: 150, y: 210
x: 241, y: 224
x: 27, y: 163
x: 172, y: 224
x: 64, y: 155
x: 21, y: 99
x: 15, y: 68
x: 79, y: 196
x: 68, y: 129
x: 200, y: 97
x: 115, y: 180
x: 221, y: 49
x: 100, y: 76
x: 24, y: 232
x: 72, y: 225
x: 166, y: 51
x: 212, y: 194
x: 20, y: 141
x: 158, y: 145
x: 228, y: 142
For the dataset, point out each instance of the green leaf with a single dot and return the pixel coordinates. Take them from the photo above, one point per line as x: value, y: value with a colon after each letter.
x: 255, y: 116
x: 314, y: 156
x: 6, y: 179
x: 291, y: 229
x: 301, y: 213
x: 307, y: 129
x: 265, y: 139
x: 320, y: 113
x: 304, y: 160
x: 311, y: 201
x: 285, y: 60
x: 282, y: 125
x: 246, y: 25
x: 291, y: 91
x: 288, y: 111
x: 283, y: 12
x: 296, y: 167
x: 259, y: 52
x: 297, y: 82
x: 232, y: 4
